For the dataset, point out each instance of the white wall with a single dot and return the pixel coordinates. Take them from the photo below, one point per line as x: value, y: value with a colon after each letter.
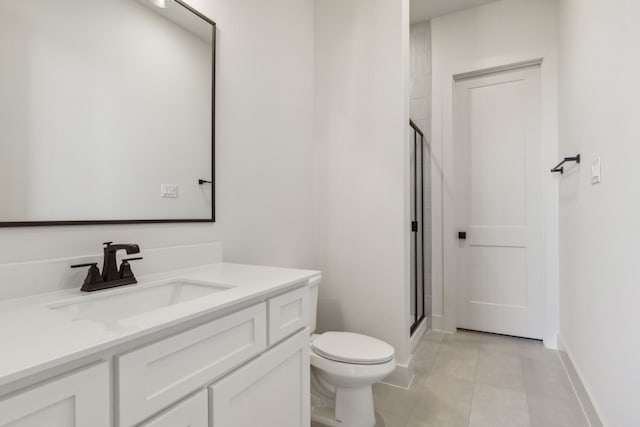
x: 264, y: 148
x: 362, y: 123
x: 497, y: 34
x: 599, y: 224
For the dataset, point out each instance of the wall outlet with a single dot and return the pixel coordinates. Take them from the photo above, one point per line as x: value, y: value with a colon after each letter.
x: 595, y: 171
x: 169, y: 191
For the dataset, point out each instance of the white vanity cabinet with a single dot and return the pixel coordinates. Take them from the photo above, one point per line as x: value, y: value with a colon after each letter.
x: 254, y: 363
x: 155, y: 376
x: 246, y: 368
x: 78, y: 399
x: 272, y: 390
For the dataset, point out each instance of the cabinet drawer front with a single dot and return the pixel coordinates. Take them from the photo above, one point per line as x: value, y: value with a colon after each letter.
x: 155, y: 376
x: 193, y: 412
x: 272, y: 390
x: 288, y: 313
x: 78, y: 399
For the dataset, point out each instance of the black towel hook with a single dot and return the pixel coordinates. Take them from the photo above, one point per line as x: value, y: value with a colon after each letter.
x: 559, y: 167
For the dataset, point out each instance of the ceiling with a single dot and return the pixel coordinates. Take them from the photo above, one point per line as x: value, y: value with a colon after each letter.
x: 423, y: 10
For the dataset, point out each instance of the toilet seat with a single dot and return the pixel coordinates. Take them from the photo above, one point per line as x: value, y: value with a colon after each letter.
x: 352, y: 348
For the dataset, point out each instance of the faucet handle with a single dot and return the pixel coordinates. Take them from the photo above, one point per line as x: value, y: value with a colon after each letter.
x: 93, y: 275
x: 89, y: 264
x: 107, y: 244
x: 125, y: 268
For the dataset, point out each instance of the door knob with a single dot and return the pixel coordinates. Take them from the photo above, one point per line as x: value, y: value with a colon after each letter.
x: 462, y: 235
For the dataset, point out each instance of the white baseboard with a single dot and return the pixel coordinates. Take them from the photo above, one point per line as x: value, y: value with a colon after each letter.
x: 551, y: 341
x: 417, y: 336
x: 402, y: 376
x: 443, y: 323
x: 584, y: 397
x: 437, y: 322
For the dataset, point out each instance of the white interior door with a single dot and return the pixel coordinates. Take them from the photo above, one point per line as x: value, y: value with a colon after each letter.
x: 498, y: 185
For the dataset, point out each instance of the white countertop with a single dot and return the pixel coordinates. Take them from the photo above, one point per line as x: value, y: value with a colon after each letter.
x: 34, y: 338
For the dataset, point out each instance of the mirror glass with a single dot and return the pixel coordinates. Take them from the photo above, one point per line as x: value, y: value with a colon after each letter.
x: 106, y: 112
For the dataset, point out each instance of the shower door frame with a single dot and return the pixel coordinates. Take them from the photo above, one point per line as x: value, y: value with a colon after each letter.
x: 417, y: 228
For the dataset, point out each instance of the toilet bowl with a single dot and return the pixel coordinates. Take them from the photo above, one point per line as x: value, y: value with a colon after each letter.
x: 344, y: 367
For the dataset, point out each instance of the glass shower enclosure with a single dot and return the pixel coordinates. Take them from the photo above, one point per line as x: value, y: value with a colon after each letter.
x: 417, y: 312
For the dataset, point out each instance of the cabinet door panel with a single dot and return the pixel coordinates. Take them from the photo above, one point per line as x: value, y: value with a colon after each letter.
x: 80, y: 399
x: 192, y: 412
x: 272, y: 390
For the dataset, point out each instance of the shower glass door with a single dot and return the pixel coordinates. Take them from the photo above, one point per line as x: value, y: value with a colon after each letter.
x: 417, y: 309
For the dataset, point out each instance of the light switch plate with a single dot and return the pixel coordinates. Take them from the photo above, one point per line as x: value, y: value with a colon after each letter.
x: 595, y: 171
x: 169, y: 191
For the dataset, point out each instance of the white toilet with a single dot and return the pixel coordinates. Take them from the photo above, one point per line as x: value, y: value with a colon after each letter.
x: 344, y: 366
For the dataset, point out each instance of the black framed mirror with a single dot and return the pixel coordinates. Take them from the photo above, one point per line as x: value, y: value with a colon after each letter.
x: 107, y: 112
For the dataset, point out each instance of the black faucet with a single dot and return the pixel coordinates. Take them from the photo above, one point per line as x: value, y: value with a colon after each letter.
x: 111, y: 276
x: 109, y: 268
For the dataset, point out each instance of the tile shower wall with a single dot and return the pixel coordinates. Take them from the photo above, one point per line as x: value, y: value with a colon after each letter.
x: 420, y: 113
x: 420, y: 69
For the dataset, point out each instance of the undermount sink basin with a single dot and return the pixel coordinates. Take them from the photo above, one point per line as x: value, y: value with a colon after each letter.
x: 138, y: 301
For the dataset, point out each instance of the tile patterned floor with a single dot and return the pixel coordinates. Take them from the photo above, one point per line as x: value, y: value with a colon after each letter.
x: 471, y: 379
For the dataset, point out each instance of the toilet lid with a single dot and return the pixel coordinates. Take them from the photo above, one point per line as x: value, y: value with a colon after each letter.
x: 348, y: 347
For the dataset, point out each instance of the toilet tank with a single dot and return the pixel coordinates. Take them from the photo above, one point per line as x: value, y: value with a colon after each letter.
x: 314, y: 284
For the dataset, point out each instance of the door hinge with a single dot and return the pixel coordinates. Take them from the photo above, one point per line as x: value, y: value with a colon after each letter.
x: 414, y: 226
